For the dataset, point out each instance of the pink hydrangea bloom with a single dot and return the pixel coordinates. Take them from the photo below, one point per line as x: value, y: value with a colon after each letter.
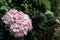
x: 19, y: 22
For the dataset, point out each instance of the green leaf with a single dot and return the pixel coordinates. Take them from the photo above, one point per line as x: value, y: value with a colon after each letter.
x: 49, y: 13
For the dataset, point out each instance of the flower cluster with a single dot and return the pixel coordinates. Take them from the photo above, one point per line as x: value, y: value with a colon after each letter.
x: 19, y: 23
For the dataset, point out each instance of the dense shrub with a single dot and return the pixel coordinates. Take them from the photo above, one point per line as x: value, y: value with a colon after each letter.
x: 42, y: 12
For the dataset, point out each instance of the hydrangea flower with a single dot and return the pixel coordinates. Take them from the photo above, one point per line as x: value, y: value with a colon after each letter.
x: 19, y: 22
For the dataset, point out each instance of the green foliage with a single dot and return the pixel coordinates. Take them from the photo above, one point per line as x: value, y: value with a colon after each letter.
x: 40, y: 11
x: 47, y: 4
x: 57, y: 33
